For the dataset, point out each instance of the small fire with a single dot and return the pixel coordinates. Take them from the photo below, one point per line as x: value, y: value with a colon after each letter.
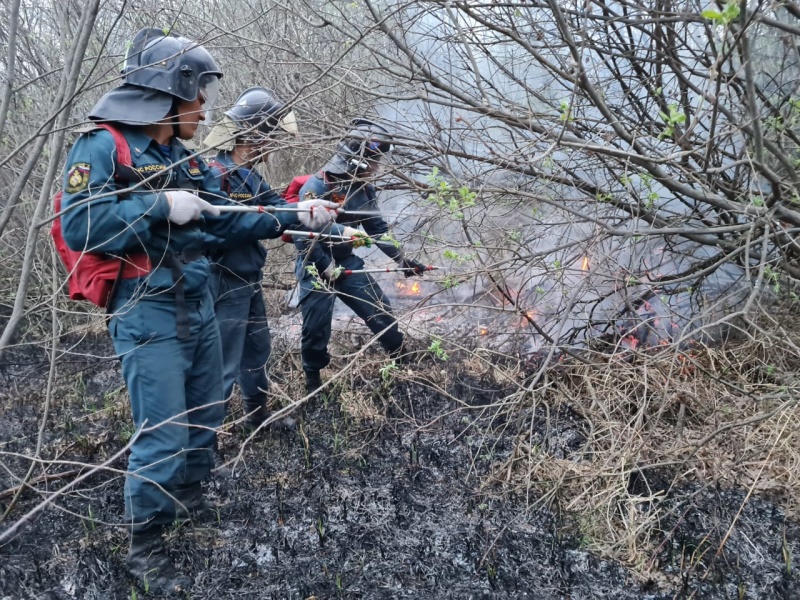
x: 408, y: 290
x: 527, y: 317
x: 585, y: 264
x: 631, y: 342
x: 483, y: 331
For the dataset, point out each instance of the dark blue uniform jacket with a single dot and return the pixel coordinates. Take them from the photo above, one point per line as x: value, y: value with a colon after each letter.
x: 357, y: 196
x: 244, y: 186
x: 119, y: 224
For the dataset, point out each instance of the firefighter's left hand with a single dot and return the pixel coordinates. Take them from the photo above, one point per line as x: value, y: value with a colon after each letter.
x: 412, y: 267
x: 331, y: 273
x: 316, y: 214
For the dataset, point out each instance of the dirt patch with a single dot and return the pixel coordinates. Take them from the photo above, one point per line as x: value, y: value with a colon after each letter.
x: 382, y: 492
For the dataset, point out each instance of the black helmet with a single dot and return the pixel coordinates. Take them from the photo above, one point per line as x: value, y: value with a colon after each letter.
x: 366, y: 141
x: 262, y: 111
x: 170, y: 64
x: 258, y: 112
x: 158, y: 68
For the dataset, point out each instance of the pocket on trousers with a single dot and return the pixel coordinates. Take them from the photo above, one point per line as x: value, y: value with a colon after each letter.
x: 234, y: 290
x: 143, y: 322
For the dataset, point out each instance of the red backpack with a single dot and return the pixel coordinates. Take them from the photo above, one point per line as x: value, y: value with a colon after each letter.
x: 292, y: 192
x: 93, y: 276
x: 292, y: 195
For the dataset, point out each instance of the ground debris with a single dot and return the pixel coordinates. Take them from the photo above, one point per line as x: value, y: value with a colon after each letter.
x: 393, y: 505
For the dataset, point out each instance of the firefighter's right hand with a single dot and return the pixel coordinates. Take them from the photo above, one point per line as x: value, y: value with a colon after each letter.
x: 316, y: 214
x: 185, y: 206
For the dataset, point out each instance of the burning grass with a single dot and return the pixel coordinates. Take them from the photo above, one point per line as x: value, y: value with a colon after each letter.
x: 408, y: 289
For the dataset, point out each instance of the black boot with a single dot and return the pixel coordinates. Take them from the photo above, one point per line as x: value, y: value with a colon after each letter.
x: 218, y: 467
x: 191, y: 504
x: 313, y: 381
x: 150, y: 564
x: 257, y: 413
x: 401, y: 355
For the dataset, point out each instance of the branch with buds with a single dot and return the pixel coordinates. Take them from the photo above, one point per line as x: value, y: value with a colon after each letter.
x: 315, y: 235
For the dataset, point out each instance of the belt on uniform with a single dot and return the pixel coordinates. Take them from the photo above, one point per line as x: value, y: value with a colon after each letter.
x: 175, y: 262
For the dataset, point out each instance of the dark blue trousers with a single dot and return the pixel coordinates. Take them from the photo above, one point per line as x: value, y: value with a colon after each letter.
x: 246, y: 343
x: 365, y: 297
x: 175, y: 388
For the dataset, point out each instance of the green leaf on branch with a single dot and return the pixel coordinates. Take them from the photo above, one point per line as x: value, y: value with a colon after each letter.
x: 728, y: 14
x: 388, y: 237
x: 443, y: 195
x: 450, y: 281
x: 566, y: 115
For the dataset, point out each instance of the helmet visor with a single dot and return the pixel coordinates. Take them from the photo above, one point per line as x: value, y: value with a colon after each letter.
x: 288, y: 123
x: 374, y: 150
x: 209, y: 94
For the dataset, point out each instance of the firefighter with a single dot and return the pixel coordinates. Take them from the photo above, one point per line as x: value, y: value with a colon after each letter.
x: 246, y: 136
x: 346, y: 179
x: 162, y: 323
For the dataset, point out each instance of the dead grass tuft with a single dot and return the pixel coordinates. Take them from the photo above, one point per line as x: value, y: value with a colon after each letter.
x: 725, y: 416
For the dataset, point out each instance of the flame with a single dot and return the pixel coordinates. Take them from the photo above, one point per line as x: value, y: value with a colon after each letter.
x: 631, y: 342
x: 585, y: 264
x: 483, y: 331
x: 527, y: 317
x: 408, y: 290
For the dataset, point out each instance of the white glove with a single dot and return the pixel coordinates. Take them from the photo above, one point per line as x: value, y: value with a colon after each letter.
x: 331, y: 272
x: 185, y: 206
x: 357, y: 237
x: 316, y: 214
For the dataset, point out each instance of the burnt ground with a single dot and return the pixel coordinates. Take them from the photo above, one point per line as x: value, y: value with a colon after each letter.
x: 382, y: 492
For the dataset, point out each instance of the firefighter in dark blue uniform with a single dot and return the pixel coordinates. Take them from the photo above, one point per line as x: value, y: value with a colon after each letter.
x: 162, y: 324
x: 245, y: 137
x: 345, y: 179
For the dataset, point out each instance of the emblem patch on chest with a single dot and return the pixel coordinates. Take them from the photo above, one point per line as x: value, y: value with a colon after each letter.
x: 78, y: 177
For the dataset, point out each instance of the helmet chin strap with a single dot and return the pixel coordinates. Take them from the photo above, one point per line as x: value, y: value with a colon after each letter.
x: 173, y: 115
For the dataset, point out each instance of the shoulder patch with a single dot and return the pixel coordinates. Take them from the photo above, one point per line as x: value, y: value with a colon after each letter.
x: 78, y: 177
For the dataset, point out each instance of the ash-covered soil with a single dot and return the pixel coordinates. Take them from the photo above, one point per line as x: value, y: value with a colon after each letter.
x: 383, y: 491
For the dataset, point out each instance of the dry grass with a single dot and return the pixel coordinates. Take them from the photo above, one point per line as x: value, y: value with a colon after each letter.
x: 724, y: 416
